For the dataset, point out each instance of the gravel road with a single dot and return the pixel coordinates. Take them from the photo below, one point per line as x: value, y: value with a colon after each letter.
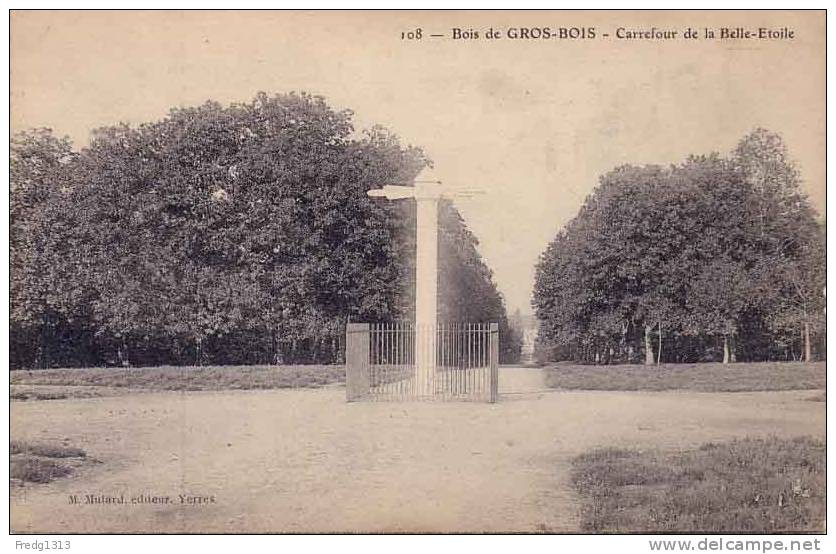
x: 307, y: 461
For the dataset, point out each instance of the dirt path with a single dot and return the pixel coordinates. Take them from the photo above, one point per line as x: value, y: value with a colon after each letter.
x: 305, y: 460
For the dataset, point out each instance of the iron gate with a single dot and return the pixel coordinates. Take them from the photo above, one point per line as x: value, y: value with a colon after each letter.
x: 402, y: 361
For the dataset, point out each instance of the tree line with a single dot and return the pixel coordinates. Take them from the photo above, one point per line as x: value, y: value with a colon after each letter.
x: 235, y: 234
x: 715, y: 258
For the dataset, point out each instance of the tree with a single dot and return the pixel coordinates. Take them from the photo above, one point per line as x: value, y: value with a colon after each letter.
x: 799, y: 294
x: 787, y: 234
x: 224, y: 234
x: 41, y: 298
x: 467, y: 292
x: 710, y: 248
x: 251, y: 215
x: 614, y: 264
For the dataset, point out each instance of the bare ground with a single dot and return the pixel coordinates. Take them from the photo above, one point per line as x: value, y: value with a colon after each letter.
x: 307, y: 461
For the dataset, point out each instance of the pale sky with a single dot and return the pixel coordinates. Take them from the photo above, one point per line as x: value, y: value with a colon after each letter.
x: 532, y: 122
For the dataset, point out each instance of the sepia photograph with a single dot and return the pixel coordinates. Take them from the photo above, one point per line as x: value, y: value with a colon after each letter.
x: 418, y: 272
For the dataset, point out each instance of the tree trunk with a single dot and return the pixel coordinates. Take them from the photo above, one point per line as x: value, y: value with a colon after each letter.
x: 648, y: 347
x: 199, y: 352
x: 124, y: 354
x: 732, y: 349
x: 726, y: 350
x: 659, y: 353
x: 121, y: 354
x: 335, y: 352
x: 808, y: 349
x: 42, y: 361
x: 40, y: 354
x: 277, y: 348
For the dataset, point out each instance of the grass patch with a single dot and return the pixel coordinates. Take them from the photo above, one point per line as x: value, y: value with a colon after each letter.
x: 707, y: 377
x: 744, y: 486
x: 186, y: 378
x: 36, y: 395
x: 41, y: 463
x: 37, y: 470
x: 45, y: 450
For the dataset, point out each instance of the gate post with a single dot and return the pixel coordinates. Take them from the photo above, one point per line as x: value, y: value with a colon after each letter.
x: 494, y: 362
x: 356, y: 361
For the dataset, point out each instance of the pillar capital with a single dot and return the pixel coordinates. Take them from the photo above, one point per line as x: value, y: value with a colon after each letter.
x: 430, y: 190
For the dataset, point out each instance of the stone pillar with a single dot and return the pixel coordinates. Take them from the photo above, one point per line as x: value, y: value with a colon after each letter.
x: 426, y: 285
x: 357, y: 361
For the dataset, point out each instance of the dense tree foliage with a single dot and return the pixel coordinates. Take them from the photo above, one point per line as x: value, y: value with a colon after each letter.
x: 223, y: 234
x: 713, y: 257
x: 466, y: 288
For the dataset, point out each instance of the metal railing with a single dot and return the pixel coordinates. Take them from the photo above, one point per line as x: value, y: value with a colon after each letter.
x: 402, y: 361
